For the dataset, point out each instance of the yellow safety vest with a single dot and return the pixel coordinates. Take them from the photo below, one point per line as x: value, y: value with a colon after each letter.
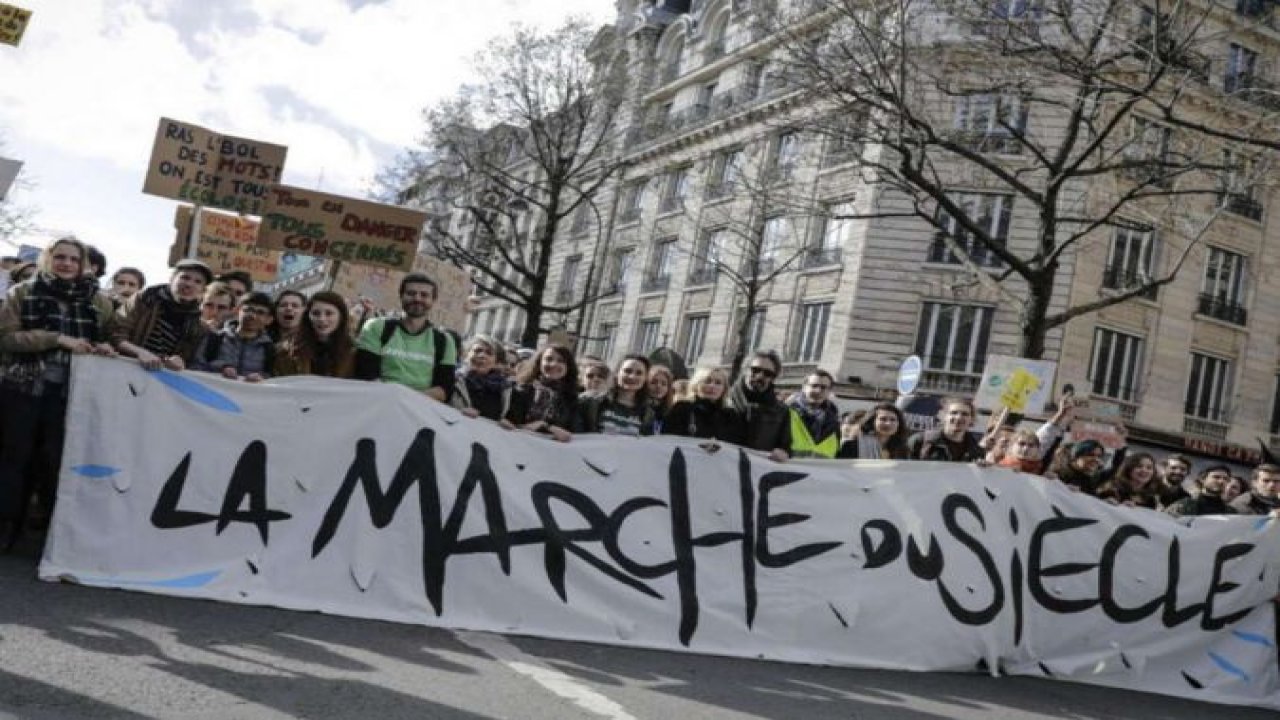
x: 802, y: 444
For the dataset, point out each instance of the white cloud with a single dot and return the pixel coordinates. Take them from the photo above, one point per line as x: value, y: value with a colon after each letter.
x: 338, y: 85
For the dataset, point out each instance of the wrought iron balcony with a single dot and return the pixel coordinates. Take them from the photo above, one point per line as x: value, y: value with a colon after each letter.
x: 705, y: 275
x: 1241, y: 204
x: 655, y: 283
x: 940, y: 251
x: 1205, y: 427
x: 1223, y: 309
x: 822, y: 257
x: 1115, y: 277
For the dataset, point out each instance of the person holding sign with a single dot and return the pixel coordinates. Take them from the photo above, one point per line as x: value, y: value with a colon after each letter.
x: 161, y: 325
x: 410, y: 350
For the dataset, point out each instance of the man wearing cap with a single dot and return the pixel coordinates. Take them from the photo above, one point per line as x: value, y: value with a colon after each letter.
x: 160, y: 326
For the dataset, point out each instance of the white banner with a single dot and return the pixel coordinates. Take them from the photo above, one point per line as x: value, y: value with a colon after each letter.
x: 367, y: 500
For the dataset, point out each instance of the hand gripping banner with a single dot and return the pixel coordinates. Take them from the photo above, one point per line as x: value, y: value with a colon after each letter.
x: 368, y: 500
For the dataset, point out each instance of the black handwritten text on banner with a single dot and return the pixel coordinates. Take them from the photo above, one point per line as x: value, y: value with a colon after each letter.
x: 366, y: 500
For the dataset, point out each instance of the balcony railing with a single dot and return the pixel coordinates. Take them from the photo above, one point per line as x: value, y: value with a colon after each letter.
x: 822, y: 257
x: 940, y: 251
x: 997, y: 142
x: 671, y: 204
x: 723, y: 189
x: 703, y: 275
x: 1253, y: 89
x: 1223, y: 309
x: 1204, y: 427
x: 1115, y: 277
x: 1241, y: 204
x: 940, y: 381
x: 654, y: 283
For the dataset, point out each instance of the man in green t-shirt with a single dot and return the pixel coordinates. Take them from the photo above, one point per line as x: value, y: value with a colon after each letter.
x: 409, y: 350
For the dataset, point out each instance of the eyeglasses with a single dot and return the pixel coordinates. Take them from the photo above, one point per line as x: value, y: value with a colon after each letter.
x: 257, y: 310
x: 763, y: 371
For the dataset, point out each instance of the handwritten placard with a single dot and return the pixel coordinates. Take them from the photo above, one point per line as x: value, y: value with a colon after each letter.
x: 382, y: 287
x: 228, y: 242
x: 340, y: 228
x: 192, y: 163
x: 1022, y: 385
x: 13, y: 23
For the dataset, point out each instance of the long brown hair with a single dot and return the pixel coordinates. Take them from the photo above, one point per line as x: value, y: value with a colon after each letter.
x: 304, y: 346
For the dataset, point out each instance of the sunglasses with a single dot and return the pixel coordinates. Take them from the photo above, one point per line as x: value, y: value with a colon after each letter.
x: 763, y: 371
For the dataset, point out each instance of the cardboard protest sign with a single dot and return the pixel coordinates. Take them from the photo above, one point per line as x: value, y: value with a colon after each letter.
x: 13, y: 23
x: 1023, y: 386
x: 382, y: 286
x: 192, y: 163
x: 340, y: 228
x: 367, y: 500
x: 228, y: 242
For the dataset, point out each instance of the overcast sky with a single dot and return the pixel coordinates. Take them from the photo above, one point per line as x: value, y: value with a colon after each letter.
x: 340, y: 82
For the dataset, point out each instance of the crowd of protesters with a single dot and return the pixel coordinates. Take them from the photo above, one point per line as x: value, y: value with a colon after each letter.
x: 56, y: 307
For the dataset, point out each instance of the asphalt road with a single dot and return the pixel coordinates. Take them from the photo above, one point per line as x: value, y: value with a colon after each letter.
x: 76, y: 652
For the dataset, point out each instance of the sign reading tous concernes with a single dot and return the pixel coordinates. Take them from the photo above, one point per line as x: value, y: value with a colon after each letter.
x: 196, y: 164
x: 365, y: 499
x: 340, y: 228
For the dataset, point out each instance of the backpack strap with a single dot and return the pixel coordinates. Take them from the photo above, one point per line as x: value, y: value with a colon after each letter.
x: 389, y: 327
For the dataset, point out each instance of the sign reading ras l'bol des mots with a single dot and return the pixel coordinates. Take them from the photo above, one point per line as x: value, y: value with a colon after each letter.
x: 340, y: 228
x: 192, y: 163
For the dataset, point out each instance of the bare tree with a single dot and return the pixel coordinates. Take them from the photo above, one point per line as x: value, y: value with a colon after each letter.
x: 755, y: 235
x: 1073, y: 119
x: 15, y: 219
x: 533, y: 144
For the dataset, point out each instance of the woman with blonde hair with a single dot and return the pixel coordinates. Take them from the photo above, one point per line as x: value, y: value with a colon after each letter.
x: 703, y: 412
x: 482, y: 388
x: 59, y: 313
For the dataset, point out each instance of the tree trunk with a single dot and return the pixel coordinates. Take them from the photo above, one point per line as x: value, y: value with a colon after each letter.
x: 532, y: 323
x: 1035, y: 313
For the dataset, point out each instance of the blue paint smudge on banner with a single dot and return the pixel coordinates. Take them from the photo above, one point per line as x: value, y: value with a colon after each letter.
x: 184, y: 582
x: 1253, y: 638
x: 197, y: 392
x: 95, y: 471
x: 1228, y: 667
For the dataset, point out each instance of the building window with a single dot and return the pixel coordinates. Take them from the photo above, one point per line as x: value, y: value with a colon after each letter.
x: 1222, y: 292
x: 772, y: 235
x: 1115, y: 365
x: 786, y: 153
x: 991, y: 122
x: 647, y: 335
x: 620, y: 269
x: 1209, y: 388
x: 604, y: 340
x: 659, y: 275
x: 952, y: 340
x: 755, y: 330
x: 695, y: 338
x: 709, y: 256
x: 726, y: 169
x: 677, y: 190
x: 1275, y: 409
x: 1242, y: 64
x: 632, y: 198
x: 1237, y: 193
x: 568, y: 278
x: 837, y: 222
x: 1131, y: 260
x: 811, y: 335
x: 991, y: 213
